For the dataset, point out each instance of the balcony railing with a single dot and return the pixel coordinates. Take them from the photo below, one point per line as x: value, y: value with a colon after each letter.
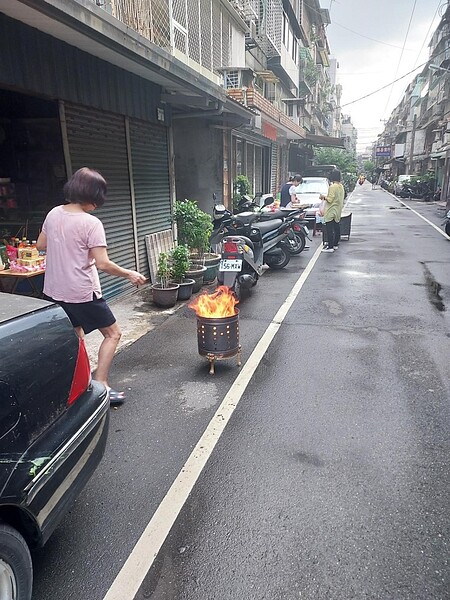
x: 254, y: 99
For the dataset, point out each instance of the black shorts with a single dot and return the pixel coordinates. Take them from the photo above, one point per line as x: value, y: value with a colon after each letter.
x: 92, y: 315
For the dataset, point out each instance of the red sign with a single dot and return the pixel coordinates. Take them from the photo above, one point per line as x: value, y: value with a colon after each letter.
x: 269, y: 131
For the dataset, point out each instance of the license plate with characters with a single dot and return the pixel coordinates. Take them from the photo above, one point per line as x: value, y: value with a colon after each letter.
x: 227, y: 264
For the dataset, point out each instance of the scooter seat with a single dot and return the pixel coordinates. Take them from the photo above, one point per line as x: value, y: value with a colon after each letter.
x: 265, y: 226
x: 271, y: 215
x: 246, y: 218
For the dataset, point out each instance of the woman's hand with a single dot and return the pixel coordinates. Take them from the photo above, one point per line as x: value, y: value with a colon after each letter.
x: 136, y: 278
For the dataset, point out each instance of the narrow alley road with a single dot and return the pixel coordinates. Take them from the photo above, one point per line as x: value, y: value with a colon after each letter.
x: 331, y: 479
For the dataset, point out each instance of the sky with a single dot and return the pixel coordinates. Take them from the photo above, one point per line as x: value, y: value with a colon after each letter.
x: 376, y: 42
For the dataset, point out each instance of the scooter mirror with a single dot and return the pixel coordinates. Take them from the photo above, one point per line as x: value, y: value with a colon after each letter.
x: 268, y: 200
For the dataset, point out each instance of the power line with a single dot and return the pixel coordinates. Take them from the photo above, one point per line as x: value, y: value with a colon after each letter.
x: 391, y: 83
x: 401, y: 55
x: 367, y: 37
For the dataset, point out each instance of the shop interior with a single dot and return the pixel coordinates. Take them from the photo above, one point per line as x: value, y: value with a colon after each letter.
x: 32, y: 168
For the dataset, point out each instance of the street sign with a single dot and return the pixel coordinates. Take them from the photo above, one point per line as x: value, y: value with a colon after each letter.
x: 383, y: 151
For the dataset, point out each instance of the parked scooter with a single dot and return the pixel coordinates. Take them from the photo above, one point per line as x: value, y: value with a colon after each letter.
x: 262, y: 204
x: 246, y: 245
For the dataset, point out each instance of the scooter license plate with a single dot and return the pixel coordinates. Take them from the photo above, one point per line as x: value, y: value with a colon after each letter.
x: 227, y: 264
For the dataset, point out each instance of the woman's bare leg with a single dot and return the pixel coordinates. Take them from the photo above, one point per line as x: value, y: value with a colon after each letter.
x: 111, y: 337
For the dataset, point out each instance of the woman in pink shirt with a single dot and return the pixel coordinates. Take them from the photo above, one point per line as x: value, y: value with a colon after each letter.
x: 75, y: 242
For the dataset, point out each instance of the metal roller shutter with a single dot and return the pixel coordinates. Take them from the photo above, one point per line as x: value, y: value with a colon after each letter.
x: 97, y: 140
x: 150, y: 167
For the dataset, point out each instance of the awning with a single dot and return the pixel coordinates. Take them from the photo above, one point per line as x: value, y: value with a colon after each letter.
x: 324, y: 140
x: 438, y: 154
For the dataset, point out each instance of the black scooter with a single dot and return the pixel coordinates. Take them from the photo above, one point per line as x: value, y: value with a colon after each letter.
x: 446, y: 223
x: 246, y: 245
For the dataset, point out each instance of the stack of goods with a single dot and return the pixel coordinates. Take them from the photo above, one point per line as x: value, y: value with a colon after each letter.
x: 24, y: 257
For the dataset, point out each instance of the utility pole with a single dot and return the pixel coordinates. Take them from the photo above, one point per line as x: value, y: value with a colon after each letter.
x: 411, y: 154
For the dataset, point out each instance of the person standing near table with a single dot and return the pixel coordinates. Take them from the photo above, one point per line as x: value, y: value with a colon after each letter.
x: 333, y: 211
x: 285, y: 196
x: 76, y: 247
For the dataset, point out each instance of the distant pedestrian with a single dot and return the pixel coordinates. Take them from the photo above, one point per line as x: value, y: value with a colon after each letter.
x: 296, y: 181
x: 333, y: 211
x: 285, y: 197
x: 76, y: 247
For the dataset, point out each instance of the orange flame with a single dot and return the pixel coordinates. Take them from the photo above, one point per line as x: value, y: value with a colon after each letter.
x: 219, y: 304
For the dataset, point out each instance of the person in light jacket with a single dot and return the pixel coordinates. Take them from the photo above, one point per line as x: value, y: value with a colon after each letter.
x: 333, y: 211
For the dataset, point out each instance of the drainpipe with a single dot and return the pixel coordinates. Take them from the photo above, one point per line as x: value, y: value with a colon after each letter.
x: 202, y: 113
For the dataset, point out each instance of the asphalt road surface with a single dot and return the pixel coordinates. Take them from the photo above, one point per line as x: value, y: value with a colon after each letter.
x: 330, y: 479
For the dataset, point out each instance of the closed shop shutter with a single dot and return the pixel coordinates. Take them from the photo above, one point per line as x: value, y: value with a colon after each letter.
x: 97, y: 140
x: 150, y: 165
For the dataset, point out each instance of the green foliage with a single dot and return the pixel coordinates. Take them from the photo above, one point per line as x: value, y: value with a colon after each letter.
x: 164, y: 272
x: 349, y: 181
x: 241, y: 186
x: 180, y: 262
x: 194, y: 226
x: 345, y: 162
x: 311, y: 74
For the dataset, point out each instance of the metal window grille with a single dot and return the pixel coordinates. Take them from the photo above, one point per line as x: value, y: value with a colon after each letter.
x: 231, y: 79
x: 200, y: 29
x: 150, y: 18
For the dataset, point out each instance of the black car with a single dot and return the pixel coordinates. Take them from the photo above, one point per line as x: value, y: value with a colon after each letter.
x: 53, y: 429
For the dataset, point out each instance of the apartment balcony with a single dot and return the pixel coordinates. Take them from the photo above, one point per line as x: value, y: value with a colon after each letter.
x: 286, y: 127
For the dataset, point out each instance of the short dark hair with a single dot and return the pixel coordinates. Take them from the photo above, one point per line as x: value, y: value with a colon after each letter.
x: 335, y: 175
x: 297, y: 178
x: 86, y: 186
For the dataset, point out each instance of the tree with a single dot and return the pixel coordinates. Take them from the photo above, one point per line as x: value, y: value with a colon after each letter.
x: 344, y: 161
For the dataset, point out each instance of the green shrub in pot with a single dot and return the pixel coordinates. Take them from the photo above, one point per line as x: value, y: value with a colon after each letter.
x: 194, y: 226
x: 181, y: 263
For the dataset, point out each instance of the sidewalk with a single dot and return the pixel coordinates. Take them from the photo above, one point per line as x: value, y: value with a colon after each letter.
x: 136, y: 315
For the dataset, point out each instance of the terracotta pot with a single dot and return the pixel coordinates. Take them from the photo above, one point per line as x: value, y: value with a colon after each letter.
x: 165, y: 297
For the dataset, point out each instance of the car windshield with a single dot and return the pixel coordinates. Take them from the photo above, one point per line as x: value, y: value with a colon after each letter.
x: 312, y: 187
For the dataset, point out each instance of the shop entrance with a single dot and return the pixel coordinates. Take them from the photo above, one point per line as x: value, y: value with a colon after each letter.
x: 32, y: 167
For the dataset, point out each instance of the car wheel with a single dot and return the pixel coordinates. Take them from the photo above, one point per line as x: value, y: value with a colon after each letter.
x: 297, y: 244
x: 278, y: 261
x: 16, y: 569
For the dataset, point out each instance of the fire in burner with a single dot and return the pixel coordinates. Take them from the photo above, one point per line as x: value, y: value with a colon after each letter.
x: 217, y: 325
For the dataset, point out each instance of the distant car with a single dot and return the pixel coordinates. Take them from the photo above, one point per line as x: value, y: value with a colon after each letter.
x: 53, y: 430
x: 309, y: 192
x: 401, y: 179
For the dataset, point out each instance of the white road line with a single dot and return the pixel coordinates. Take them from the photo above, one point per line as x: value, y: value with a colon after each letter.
x: 130, y: 577
x: 423, y: 218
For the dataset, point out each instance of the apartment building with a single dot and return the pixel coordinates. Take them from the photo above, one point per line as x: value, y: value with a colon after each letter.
x: 167, y: 98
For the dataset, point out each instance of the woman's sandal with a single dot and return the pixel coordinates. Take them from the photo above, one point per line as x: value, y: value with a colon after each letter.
x: 116, y: 398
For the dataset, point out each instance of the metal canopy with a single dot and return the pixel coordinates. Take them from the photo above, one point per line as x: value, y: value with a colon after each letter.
x: 324, y: 140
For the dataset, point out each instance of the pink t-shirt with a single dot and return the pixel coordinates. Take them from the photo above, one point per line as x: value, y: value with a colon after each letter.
x: 70, y: 275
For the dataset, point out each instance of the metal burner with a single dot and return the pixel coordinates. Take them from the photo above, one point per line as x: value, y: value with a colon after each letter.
x: 218, y: 338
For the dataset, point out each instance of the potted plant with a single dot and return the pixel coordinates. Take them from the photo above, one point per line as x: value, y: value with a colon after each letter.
x: 164, y: 292
x: 241, y: 187
x: 194, y: 228
x: 180, y: 264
